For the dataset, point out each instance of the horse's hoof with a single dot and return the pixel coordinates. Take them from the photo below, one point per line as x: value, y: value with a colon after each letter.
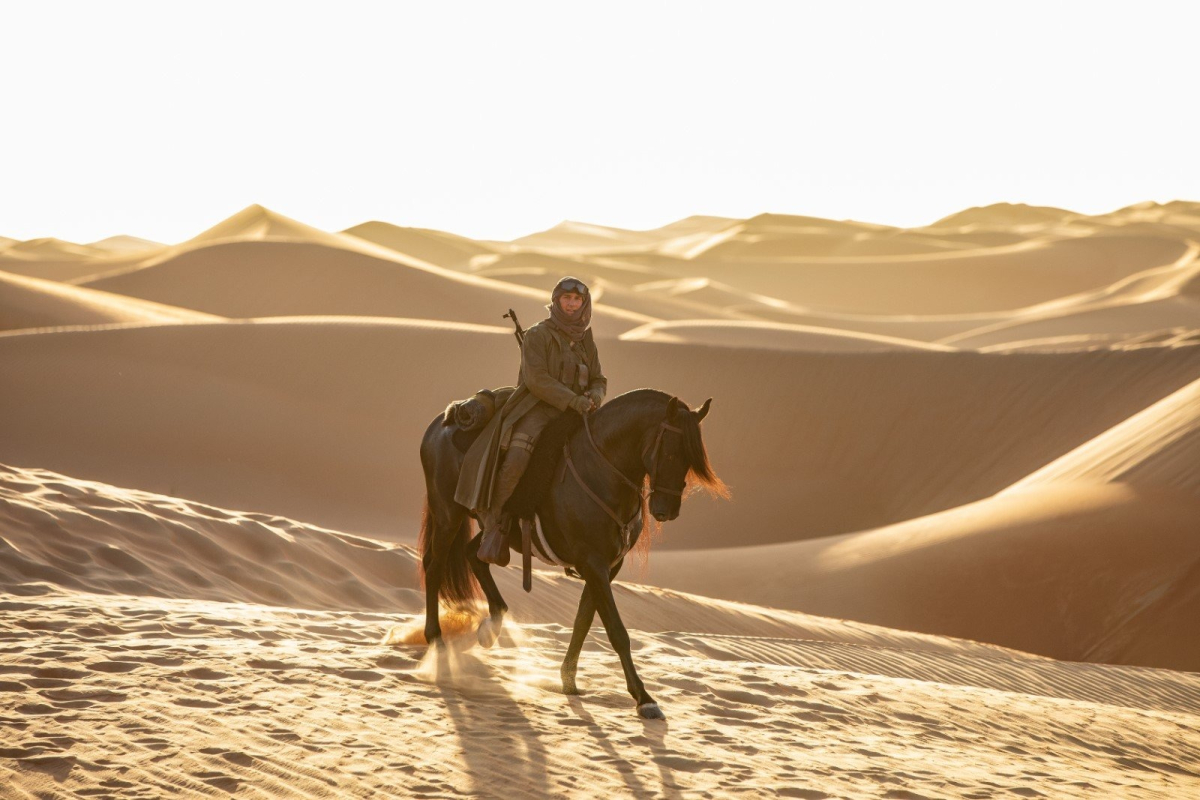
x: 650, y: 711
x: 488, y: 631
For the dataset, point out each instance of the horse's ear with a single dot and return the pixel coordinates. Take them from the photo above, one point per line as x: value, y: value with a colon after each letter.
x: 702, y: 411
x: 674, y: 407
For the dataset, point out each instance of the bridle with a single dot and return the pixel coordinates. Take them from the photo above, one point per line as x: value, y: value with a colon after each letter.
x: 643, y: 495
x: 663, y: 427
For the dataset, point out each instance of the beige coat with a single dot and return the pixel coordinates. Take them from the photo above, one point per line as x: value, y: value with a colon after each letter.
x: 554, y: 370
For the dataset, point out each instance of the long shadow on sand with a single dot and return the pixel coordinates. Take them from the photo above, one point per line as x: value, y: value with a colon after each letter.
x: 655, y: 734
x: 501, y: 751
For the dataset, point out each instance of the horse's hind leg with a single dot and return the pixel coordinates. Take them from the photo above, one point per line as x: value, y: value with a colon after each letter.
x: 445, y: 533
x: 489, y: 629
x: 600, y: 588
x: 433, y: 562
x: 583, y: 624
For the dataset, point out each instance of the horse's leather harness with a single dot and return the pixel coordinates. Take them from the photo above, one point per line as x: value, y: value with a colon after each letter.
x: 625, y: 527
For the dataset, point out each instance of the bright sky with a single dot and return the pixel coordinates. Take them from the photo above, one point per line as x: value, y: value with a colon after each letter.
x: 498, y: 119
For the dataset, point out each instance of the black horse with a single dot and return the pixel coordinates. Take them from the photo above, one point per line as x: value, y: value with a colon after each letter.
x: 589, y: 514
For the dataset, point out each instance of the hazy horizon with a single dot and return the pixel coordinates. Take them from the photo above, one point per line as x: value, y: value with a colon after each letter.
x: 495, y: 123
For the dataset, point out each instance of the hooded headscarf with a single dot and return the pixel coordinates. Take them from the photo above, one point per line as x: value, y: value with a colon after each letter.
x: 573, y: 326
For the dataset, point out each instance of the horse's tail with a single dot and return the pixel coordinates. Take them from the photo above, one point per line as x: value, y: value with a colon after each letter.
x: 458, y: 586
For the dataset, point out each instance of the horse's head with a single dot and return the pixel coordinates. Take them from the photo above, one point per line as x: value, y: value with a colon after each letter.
x: 675, y: 457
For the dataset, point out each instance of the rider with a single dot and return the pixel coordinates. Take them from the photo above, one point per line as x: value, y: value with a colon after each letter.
x: 560, y: 370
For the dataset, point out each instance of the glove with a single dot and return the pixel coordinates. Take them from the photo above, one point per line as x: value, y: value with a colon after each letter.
x: 596, y: 396
x: 580, y: 404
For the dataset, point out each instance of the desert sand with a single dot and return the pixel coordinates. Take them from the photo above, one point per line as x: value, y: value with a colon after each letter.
x: 961, y: 557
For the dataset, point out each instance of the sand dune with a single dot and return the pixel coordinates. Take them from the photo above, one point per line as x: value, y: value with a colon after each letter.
x: 1083, y: 573
x: 608, y: 269
x: 316, y: 419
x: 583, y: 237
x: 255, y: 222
x: 780, y: 235
x: 242, y: 279
x: 49, y: 248
x: 973, y: 445
x: 614, y: 295
x: 1093, y: 557
x: 1155, y: 450
x: 959, y: 282
x: 126, y: 244
x: 1167, y: 337
x: 1005, y: 215
x: 34, y: 303
x: 435, y: 247
x: 55, y: 259
x: 320, y: 419
x: 65, y: 533
x: 1123, y: 320
x: 771, y: 336
x: 1147, y: 301
x: 151, y: 693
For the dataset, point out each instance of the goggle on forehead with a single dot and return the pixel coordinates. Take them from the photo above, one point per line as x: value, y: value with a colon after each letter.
x: 574, y: 286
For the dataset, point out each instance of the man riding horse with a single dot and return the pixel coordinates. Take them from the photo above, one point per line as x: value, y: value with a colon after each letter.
x: 560, y: 371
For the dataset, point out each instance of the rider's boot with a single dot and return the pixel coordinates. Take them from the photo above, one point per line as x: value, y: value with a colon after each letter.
x: 494, y: 549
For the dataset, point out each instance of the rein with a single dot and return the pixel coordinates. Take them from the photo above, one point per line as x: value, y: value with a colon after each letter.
x: 656, y: 446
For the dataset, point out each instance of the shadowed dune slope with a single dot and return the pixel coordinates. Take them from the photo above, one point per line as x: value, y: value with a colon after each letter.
x: 35, y: 303
x: 320, y: 419
x: 1155, y: 449
x: 316, y: 419
x: 1088, y: 573
x: 271, y: 278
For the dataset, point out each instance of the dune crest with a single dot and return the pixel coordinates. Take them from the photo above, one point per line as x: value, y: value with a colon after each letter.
x: 1155, y: 449
x: 35, y: 303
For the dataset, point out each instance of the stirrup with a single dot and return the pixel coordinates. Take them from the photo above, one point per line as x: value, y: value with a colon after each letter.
x: 494, y: 555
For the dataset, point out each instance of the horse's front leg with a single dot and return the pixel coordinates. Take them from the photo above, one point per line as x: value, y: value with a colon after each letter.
x: 600, y: 588
x: 583, y: 624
